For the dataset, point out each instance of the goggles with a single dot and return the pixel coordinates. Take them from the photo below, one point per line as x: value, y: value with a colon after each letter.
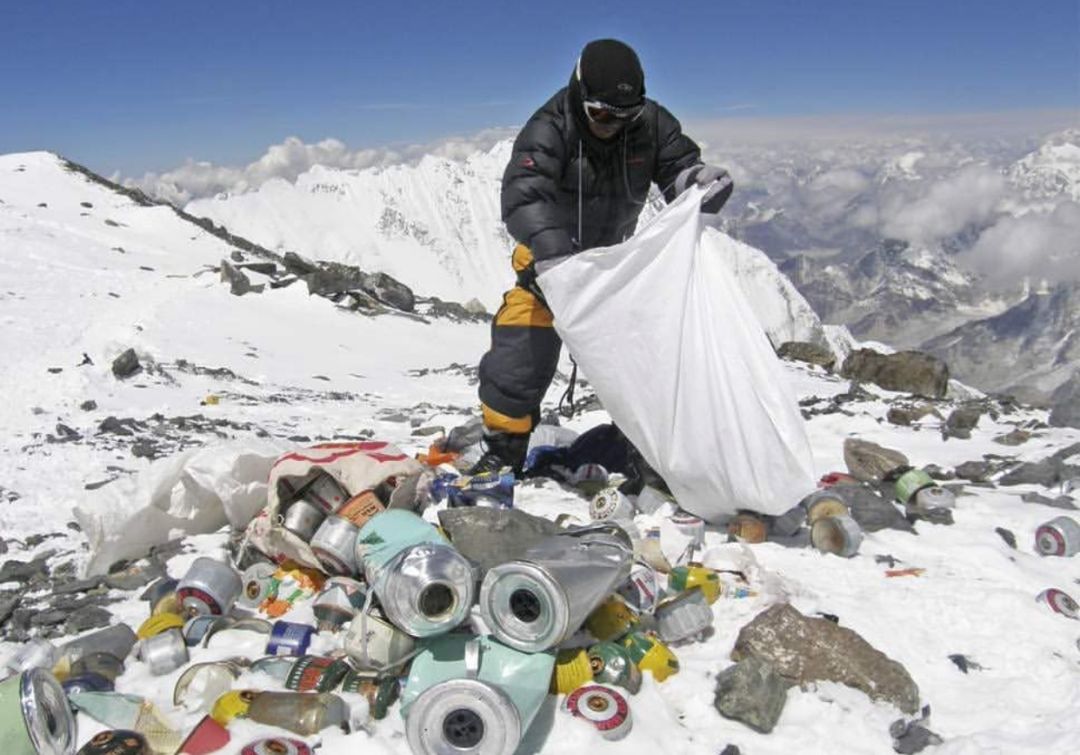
x: 606, y: 115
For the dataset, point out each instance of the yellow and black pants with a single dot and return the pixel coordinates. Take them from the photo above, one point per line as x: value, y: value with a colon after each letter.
x: 517, y: 371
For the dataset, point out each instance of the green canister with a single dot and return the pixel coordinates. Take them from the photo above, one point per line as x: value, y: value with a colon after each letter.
x: 35, y: 718
x: 910, y: 483
x: 611, y: 664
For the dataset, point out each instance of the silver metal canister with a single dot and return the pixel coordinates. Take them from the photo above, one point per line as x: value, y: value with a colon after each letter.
x: 1058, y: 537
x: 117, y: 640
x: 209, y: 587
x: 375, y: 644
x: 471, y: 716
x: 303, y: 518
x: 536, y: 602
x: 35, y: 718
x: 164, y: 652
x: 604, y: 707
x: 837, y: 534
x: 935, y: 497
x: 684, y: 617
x: 258, y: 584
x: 34, y: 653
x: 1059, y: 601
x: 334, y: 544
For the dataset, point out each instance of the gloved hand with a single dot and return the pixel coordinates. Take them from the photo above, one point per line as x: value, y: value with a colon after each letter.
x: 717, y: 179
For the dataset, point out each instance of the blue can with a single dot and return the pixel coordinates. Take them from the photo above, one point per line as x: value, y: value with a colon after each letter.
x: 497, y: 487
x: 89, y: 682
x: 289, y: 638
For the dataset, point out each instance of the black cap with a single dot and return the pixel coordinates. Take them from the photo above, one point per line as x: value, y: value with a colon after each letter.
x: 609, y: 71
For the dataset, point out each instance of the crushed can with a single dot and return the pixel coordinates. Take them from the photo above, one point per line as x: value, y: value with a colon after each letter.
x: 910, y: 483
x: 1058, y: 537
x: 642, y: 590
x: 200, y: 686
x: 935, y: 497
x: 197, y: 628
x: 303, y: 713
x: 334, y: 544
x: 611, y: 664
x: 375, y: 644
x: 1059, y: 602
x: 473, y: 694
x: 258, y: 582
x: 602, y: 706
x: 683, y: 617
x: 650, y: 654
x: 164, y: 652
x: 35, y: 718
x: 120, y: 711
x: 612, y: 619
x: 536, y: 602
x: 303, y: 519
x: 116, y: 742
x: 361, y: 508
x: 276, y: 746
x: 34, y: 653
x: 313, y: 673
x: 840, y: 535
x: 209, y: 587
x: 694, y: 575
x: 572, y: 669
x: 425, y: 586
x: 289, y: 638
x: 340, y: 600
x: 207, y: 737
x: 381, y: 692
x: 611, y: 503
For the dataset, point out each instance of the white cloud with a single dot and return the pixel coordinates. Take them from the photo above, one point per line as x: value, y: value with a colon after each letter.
x: 1040, y: 246
x: 969, y: 196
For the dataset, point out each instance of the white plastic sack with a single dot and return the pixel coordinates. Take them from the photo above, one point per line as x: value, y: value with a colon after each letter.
x: 680, y: 362
x: 194, y: 492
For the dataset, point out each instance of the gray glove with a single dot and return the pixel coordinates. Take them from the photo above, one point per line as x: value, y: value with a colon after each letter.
x: 717, y: 179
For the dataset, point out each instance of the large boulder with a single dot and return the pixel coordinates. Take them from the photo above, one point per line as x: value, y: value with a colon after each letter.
x: 1065, y: 403
x: 811, y: 353
x: 909, y: 371
x: 752, y: 692
x: 804, y: 650
x: 869, y: 462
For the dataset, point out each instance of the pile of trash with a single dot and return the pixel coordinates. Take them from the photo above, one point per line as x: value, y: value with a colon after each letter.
x: 373, y: 582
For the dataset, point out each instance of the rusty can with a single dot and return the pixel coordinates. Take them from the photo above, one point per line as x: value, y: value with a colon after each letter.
x: 303, y: 519
x: 314, y: 673
x: 334, y: 544
x: 840, y: 535
x: 747, y: 528
x: 361, y: 508
x: 209, y: 587
x: 276, y: 746
x: 164, y: 652
x: 604, y: 707
x: 1058, y: 537
x: 1059, y: 601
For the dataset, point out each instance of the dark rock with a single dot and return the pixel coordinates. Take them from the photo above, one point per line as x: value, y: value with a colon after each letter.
x: 88, y: 617
x: 88, y: 406
x: 23, y: 571
x: 9, y: 601
x: 77, y: 586
x: 394, y: 417
x: 915, y: 738
x: 939, y: 473
x: 423, y: 432
x: 870, y: 462
x: 811, y: 353
x: 855, y: 392
x: 751, y: 692
x: 239, y: 283
x: 490, y: 537
x: 146, y: 449
x: 298, y: 265
x: 262, y: 268
x: 236, y: 255
x: 962, y: 421
x: 805, y: 650
x: 976, y: 471
x: 8, y: 496
x: 1061, y: 502
x: 1007, y: 536
x: 134, y: 576
x: 871, y: 510
x: 67, y: 433
x: 910, y: 371
x: 390, y: 291
x: 55, y: 370
x: 1013, y: 438
x: 1048, y: 472
x: 1065, y: 403
x: 731, y: 750
x: 931, y: 515
x: 453, y: 311
x: 98, y: 484
x: 126, y: 365
x: 48, y: 618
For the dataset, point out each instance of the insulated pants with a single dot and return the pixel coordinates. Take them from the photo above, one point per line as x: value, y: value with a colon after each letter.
x: 517, y: 371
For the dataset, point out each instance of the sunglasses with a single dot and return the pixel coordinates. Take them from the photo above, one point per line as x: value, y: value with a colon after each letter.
x: 606, y: 115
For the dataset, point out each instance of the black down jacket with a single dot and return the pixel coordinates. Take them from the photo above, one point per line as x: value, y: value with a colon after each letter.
x: 555, y: 153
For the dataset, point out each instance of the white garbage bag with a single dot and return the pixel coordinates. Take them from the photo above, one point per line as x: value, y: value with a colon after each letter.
x: 677, y: 357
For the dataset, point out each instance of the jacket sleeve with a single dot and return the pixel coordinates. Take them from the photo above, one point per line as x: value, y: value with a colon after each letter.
x: 530, y: 187
x: 675, y: 152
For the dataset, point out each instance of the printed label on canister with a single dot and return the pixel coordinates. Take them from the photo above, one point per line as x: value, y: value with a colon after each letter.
x: 116, y: 742
x: 289, y: 638
x: 361, y: 508
x: 276, y: 746
x: 381, y: 692
x: 312, y: 673
x: 198, y: 601
x: 603, y: 707
x: 1060, y: 602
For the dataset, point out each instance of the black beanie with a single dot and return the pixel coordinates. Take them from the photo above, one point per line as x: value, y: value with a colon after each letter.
x: 610, y: 72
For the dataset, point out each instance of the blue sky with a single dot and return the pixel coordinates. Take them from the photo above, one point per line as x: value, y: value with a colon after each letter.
x: 133, y: 85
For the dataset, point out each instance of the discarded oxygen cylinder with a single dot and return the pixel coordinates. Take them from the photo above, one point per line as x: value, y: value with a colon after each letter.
x: 164, y: 652
x: 1059, y: 602
x: 424, y: 585
x: 538, y: 601
x: 322, y: 491
x: 35, y: 718
x: 209, y: 587
x: 117, y: 640
x: 604, y: 707
x: 303, y: 519
x: 340, y: 600
x: 788, y: 523
x: 303, y: 713
x: 334, y: 544
x: 1058, y: 537
x: 935, y: 497
x: 116, y: 742
x: 822, y: 503
x: 611, y: 664
x: 837, y: 534
x: 473, y: 695
x: 683, y: 617
x: 612, y: 619
x: 910, y: 483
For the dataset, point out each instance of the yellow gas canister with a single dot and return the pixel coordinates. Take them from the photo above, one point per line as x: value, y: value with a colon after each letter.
x: 232, y: 705
x: 159, y: 623
x: 612, y: 619
x: 650, y: 654
x: 693, y: 575
x: 572, y: 670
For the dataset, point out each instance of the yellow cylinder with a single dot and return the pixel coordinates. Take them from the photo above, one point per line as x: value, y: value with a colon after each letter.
x: 159, y: 623
x: 572, y: 670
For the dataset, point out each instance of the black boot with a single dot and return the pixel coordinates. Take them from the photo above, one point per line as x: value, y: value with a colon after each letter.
x: 502, y: 450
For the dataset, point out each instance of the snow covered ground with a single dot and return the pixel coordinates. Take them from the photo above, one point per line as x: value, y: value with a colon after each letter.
x: 95, y: 280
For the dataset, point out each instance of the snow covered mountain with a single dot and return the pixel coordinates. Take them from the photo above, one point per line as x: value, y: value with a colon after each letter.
x: 1052, y: 171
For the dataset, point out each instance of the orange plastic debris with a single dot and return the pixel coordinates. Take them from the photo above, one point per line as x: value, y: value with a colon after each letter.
x: 912, y: 572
